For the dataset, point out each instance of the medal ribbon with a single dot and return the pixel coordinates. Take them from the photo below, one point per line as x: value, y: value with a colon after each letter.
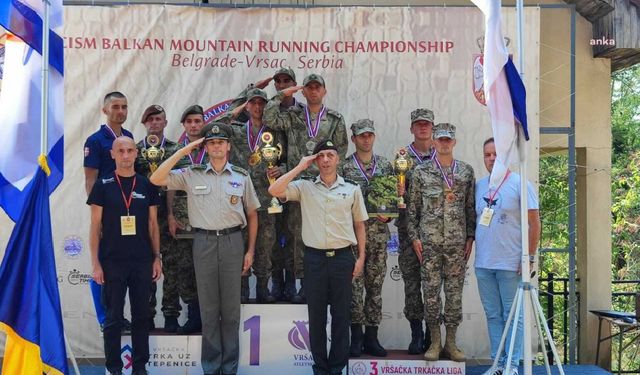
x: 491, y: 196
x: 312, y: 129
x: 253, y: 142
x: 200, y: 155
x: 417, y: 155
x: 363, y: 170
x: 127, y: 202
x: 448, y: 181
x: 144, y: 141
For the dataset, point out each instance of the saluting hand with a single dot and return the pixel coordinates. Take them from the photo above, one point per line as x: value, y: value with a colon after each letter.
x: 186, y: 150
x: 417, y: 248
x: 263, y: 83
x: 307, y: 161
x: 238, y: 110
x: 289, y: 91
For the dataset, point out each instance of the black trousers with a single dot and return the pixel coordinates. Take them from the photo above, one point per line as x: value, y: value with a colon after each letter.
x: 328, y: 283
x: 118, y: 277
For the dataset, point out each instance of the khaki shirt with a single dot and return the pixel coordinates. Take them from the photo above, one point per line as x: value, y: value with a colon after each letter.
x: 328, y: 213
x: 215, y: 201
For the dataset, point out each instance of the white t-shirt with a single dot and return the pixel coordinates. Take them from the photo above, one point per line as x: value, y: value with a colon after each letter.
x: 498, y: 246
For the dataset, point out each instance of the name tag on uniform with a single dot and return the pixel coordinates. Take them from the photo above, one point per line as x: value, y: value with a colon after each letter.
x: 200, y: 187
x: 128, y: 225
x: 487, y: 214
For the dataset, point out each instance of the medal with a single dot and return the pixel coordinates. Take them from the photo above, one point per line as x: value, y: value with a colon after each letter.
x: 233, y: 199
x: 254, y: 159
x: 449, y: 194
x: 253, y: 142
x: 310, y: 146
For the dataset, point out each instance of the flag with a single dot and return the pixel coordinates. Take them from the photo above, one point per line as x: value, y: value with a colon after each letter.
x: 21, y: 97
x: 29, y: 298
x: 504, y: 91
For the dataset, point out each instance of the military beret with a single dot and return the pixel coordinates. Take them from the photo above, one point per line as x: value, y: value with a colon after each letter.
x: 257, y: 93
x: 362, y: 126
x: 286, y: 71
x: 422, y: 114
x: 216, y: 130
x: 327, y: 144
x: 192, y: 110
x: 444, y: 130
x: 151, y: 110
x: 313, y: 78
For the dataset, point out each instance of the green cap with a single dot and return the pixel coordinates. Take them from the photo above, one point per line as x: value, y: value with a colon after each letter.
x: 422, y: 114
x: 362, y: 126
x: 216, y: 130
x: 287, y: 71
x: 444, y: 130
x: 192, y: 110
x: 313, y: 78
x: 256, y: 93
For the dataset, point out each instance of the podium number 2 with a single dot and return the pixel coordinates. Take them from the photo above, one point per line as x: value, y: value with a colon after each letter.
x: 253, y: 326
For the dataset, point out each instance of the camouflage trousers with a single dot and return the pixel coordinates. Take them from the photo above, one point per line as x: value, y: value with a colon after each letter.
x: 368, y: 310
x: 179, y: 275
x: 410, y: 268
x: 295, y: 245
x: 443, y: 267
x: 281, y: 258
x: 265, y: 240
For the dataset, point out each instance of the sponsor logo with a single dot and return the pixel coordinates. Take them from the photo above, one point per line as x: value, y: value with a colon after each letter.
x: 358, y: 368
x: 72, y: 246
x: 216, y: 110
x: 126, y: 353
x: 299, y: 338
x: 395, y: 273
x: 76, y: 278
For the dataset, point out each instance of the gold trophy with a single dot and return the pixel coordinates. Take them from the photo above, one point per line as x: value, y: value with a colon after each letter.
x: 402, y: 164
x: 152, y: 153
x: 271, y: 155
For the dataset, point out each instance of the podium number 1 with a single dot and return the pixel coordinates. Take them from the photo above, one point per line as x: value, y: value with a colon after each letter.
x: 253, y: 326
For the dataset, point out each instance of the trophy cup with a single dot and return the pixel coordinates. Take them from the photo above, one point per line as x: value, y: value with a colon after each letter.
x: 402, y: 164
x: 152, y: 153
x: 271, y: 154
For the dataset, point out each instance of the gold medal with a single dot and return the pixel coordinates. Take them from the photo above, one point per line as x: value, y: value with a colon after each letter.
x: 451, y: 197
x: 233, y: 199
x: 254, y: 159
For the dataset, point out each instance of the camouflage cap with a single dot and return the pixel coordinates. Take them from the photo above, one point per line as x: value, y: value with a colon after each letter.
x: 151, y: 110
x: 286, y: 71
x: 444, y: 130
x: 215, y: 130
x: 313, y: 78
x: 192, y: 110
x: 362, y: 126
x: 257, y: 93
x: 422, y: 114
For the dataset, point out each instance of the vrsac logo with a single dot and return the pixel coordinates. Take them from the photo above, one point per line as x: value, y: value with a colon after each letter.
x: 126, y: 353
x: 299, y: 338
x: 72, y: 246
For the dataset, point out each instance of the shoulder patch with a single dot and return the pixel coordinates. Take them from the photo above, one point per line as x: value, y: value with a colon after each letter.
x: 350, y: 181
x: 200, y: 167
x: 308, y: 178
x: 242, y: 171
x: 334, y: 113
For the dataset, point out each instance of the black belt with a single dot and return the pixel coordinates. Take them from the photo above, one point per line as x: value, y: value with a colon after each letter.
x: 219, y: 232
x: 329, y: 252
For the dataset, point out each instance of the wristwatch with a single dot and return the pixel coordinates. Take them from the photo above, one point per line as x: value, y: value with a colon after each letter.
x: 158, y: 255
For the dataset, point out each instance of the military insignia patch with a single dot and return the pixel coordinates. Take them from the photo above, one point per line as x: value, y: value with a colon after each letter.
x: 233, y: 199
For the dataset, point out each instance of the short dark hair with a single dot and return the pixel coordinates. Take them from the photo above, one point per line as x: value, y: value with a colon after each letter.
x: 490, y: 140
x: 113, y: 95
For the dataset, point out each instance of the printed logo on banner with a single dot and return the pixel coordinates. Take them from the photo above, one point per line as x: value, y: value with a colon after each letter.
x: 299, y: 338
x: 77, y: 278
x: 216, y: 110
x: 358, y: 368
x: 395, y: 273
x: 72, y: 246
x: 126, y: 353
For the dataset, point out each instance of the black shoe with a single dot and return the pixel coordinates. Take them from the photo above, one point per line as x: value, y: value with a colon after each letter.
x: 262, y: 291
x: 371, y: 344
x: 126, y: 326
x: 116, y: 373
x: 277, y: 285
x: 152, y: 324
x: 289, y: 286
x: 417, y: 337
x: 194, y: 323
x: 244, y: 290
x: 355, y: 348
x: 300, y: 297
x: 171, y: 324
x: 140, y: 372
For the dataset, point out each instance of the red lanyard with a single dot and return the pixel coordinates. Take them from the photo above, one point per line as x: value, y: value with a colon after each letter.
x: 499, y: 186
x: 127, y: 202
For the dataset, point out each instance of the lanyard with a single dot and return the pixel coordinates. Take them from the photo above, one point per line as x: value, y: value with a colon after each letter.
x: 127, y: 202
x: 363, y: 170
x: 448, y: 181
x: 312, y: 129
x: 253, y: 142
x: 491, y: 196
x: 417, y: 155
x: 200, y: 155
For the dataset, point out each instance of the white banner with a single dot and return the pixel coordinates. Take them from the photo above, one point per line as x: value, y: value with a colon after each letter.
x: 378, y: 63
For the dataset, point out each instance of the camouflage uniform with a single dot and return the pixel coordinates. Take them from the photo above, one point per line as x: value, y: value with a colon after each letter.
x: 143, y: 167
x: 443, y: 227
x: 240, y: 153
x: 293, y: 123
x: 179, y: 275
x: 369, y: 311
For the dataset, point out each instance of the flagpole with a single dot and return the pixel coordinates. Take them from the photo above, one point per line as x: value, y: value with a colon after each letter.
x: 524, y: 214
